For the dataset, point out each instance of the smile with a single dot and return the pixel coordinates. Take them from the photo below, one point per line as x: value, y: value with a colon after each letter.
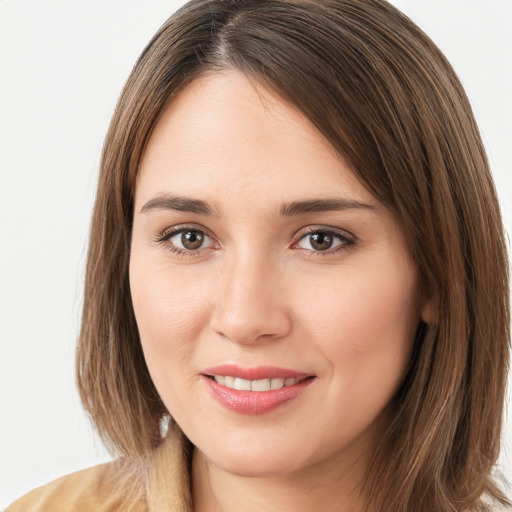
x: 255, y: 391
x: 254, y: 385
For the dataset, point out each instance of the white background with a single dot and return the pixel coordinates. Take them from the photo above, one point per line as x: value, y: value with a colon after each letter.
x: 62, y: 67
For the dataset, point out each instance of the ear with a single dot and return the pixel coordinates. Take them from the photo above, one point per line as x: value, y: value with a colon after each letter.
x: 427, y: 311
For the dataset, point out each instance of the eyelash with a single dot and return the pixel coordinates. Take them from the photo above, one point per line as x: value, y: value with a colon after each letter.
x: 347, y: 241
x: 166, y: 235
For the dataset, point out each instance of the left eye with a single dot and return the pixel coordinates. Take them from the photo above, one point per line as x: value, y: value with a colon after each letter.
x: 190, y: 240
x: 321, y: 241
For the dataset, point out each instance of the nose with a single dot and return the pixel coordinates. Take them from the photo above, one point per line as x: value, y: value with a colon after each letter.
x: 251, y: 306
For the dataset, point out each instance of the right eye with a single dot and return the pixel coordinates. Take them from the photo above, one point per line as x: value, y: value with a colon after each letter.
x: 186, y: 240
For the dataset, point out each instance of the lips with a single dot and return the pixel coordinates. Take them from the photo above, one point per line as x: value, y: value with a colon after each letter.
x: 254, y: 390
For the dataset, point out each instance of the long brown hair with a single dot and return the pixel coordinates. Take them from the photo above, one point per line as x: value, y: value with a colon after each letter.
x: 389, y: 102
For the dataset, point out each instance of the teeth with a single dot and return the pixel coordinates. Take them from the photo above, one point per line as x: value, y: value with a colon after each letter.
x: 242, y: 384
x: 260, y: 385
x: 253, y: 385
x: 278, y: 383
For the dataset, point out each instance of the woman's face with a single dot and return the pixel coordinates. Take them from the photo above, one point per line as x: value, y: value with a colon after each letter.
x: 275, y: 298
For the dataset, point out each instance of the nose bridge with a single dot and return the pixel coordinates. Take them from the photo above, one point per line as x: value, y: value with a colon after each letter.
x: 249, y: 306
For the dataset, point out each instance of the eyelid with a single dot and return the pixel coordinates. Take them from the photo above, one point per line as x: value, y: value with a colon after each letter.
x: 325, y: 229
x: 163, y: 238
x: 349, y: 240
x: 173, y: 230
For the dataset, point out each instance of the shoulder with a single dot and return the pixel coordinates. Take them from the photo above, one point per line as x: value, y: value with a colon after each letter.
x: 89, y: 490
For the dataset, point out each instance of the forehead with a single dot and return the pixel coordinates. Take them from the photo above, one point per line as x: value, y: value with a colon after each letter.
x: 224, y: 136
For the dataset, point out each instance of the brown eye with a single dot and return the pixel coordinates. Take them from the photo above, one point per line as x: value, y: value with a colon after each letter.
x: 322, y: 241
x: 192, y: 240
x: 187, y: 239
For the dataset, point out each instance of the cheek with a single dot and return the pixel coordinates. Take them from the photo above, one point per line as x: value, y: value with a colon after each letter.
x: 364, y: 320
x: 169, y: 309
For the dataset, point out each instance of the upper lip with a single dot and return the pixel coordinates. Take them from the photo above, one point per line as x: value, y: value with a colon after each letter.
x: 255, y: 373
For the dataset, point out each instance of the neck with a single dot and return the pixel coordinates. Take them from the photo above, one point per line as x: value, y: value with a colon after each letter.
x: 334, y: 487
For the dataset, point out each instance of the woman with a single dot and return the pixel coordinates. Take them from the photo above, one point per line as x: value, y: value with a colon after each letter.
x: 296, y: 254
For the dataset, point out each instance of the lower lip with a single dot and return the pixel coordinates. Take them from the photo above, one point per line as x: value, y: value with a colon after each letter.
x: 255, y: 402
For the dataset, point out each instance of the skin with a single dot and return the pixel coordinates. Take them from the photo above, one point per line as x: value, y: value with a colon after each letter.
x: 258, y: 293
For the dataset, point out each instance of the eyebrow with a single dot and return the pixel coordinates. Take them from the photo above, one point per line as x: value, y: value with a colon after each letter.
x: 181, y: 204
x: 185, y: 204
x: 323, y: 205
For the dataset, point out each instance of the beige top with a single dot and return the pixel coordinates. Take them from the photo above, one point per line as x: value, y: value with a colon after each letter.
x: 164, y: 486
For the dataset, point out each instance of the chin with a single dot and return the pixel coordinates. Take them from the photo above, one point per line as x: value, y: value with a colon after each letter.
x: 255, y: 467
x: 257, y: 459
